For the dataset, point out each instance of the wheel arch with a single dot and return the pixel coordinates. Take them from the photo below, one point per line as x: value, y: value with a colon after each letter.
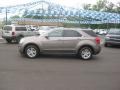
x: 20, y: 35
x: 31, y: 44
x: 86, y: 46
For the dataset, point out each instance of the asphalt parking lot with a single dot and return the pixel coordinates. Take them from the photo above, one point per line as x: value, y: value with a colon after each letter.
x: 49, y: 72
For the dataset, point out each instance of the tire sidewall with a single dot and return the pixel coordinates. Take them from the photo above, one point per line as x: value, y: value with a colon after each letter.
x: 83, y: 48
x: 9, y: 40
x: 33, y: 46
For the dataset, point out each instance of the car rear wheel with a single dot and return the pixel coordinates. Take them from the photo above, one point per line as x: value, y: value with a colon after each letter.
x: 19, y: 38
x: 8, y: 40
x: 85, y: 53
x: 31, y: 51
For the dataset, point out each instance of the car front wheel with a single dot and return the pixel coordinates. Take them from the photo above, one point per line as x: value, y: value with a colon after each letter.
x: 85, y: 53
x: 106, y: 45
x: 31, y: 51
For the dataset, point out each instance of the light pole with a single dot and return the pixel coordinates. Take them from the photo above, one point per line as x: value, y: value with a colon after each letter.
x: 6, y: 15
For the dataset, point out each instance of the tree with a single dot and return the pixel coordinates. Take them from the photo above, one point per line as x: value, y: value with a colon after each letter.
x: 118, y: 8
x: 87, y: 6
x: 101, y: 4
x: 25, y: 13
x: 16, y: 16
x: 110, y: 7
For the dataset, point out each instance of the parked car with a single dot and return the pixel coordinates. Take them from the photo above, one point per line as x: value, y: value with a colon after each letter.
x: 112, y: 38
x: 101, y: 31
x: 16, y: 32
x: 83, y: 43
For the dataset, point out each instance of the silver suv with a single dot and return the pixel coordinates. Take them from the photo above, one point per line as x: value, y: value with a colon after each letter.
x: 16, y: 32
x: 83, y: 43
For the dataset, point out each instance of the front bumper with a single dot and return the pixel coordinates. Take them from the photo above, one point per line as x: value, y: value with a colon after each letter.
x: 9, y: 37
x: 21, y: 49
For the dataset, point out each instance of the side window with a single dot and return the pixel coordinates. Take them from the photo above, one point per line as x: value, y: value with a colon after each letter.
x: 57, y: 33
x: 71, y: 33
x: 20, y: 29
x: 8, y: 28
x: 90, y: 32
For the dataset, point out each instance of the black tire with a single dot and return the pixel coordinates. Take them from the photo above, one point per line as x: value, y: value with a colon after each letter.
x: 107, y: 45
x: 19, y: 38
x: 86, y: 49
x: 8, y: 40
x: 33, y: 53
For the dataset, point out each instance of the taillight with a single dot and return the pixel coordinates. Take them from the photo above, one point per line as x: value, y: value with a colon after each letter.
x: 13, y: 33
x: 97, y: 39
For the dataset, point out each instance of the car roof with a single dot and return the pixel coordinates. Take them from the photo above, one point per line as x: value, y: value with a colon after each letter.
x: 76, y: 29
x: 15, y: 25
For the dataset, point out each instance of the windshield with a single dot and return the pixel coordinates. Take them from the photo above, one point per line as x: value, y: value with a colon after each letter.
x: 114, y: 31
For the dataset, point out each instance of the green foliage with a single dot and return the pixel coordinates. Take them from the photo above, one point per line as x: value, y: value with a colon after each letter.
x: 103, y: 5
x: 25, y: 13
x: 15, y: 16
x: 87, y: 6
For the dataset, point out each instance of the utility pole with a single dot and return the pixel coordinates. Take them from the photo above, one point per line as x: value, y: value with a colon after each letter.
x: 6, y: 16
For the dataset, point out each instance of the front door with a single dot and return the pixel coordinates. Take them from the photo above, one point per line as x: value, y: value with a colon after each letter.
x: 71, y: 40
x: 54, y: 42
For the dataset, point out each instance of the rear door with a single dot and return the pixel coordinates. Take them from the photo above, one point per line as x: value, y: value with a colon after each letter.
x: 20, y: 30
x: 70, y: 40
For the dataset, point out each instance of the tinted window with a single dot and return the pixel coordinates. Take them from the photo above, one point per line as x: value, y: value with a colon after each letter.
x: 8, y: 28
x: 90, y: 32
x: 71, y: 33
x: 114, y: 31
x: 20, y: 28
x: 57, y: 33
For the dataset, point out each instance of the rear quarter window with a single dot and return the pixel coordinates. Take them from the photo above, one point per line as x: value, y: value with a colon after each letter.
x: 8, y: 28
x: 90, y: 32
x: 71, y: 33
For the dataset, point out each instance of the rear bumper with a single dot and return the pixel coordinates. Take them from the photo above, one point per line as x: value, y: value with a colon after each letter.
x: 9, y: 37
x: 97, y: 50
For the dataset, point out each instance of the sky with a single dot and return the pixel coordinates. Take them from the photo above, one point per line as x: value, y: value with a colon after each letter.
x: 68, y: 3
x: 71, y: 3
